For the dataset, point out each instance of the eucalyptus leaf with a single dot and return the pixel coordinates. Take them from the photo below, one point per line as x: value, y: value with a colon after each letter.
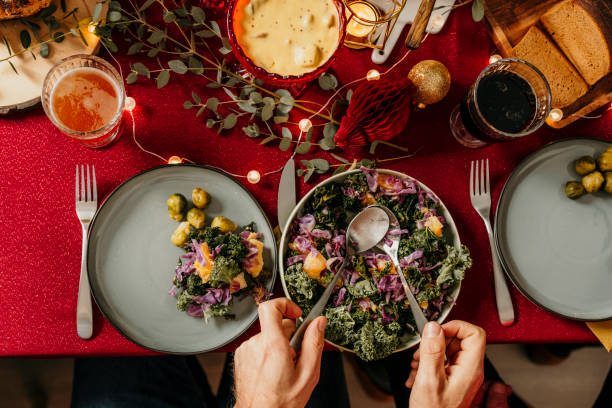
x: 153, y: 52
x: 247, y: 107
x: 181, y: 12
x: 212, y: 104
x: 230, y: 94
x: 200, y: 111
x: 255, y: 97
x: 225, y: 50
x: 146, y: 5
x: 339, y: 169
x: 330, y: 130
x: 114, y: 16
x: 284, y: 108
x: 184, y: 23
x: 340, y: 158
x: 266, y: 112
x: 287, y: 100
x: 163, y: 78
x: 215, y: 27
x: 53, y: 24
x: 97, y: 12
x: 251, y: 130
x: 156, y: 37
x: 188, y: 105
x: 142, y: 69
x: 196, y: 65
x: 47, y: 11
x: 349, y: 95
x: 286, y: 133
x: 178, y: 66
x: 198, y: 14
x: 477, y: 10
x: 132, y: 77
x: 63, y: 5
x: 196, y: 97
x: 280, y: 119
x: 303, y: 148
x: 44, y: 50
x: 25, y: 38
x: 205, y: 34
x: 135, y: 48
x: 309, y: 174
x: 309, y: 135
x: 373, y: 146
x: 230, y: 121
x: 169, y: 16
x: 284, y: 144
x: 140, y: 31
x: 268, y: 140
x: 367, y: 163
x: 327, y: 143
x: 300, y: 172
x: 327, y: 81
x: 210, y: 123
x: 12, y: 66
x: 320, y: 164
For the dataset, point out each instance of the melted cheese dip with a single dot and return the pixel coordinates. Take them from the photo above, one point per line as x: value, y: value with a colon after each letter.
x: 287, y: 37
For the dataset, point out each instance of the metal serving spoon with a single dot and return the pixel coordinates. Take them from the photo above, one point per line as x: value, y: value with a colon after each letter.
x: 416, y: 310
x: 365, y: 230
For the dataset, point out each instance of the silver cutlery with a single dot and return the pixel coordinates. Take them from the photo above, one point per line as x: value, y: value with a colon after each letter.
x: 286, y: 194
x: 367, y: 229
x: 86, y: 204
x: 480, y: 195
x: 391, y: 251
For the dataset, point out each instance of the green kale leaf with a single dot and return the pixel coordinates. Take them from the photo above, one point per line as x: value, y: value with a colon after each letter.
x: 223, y: 271
x: 359, y: 315
x: 301, y: 288
x: 360, y: 267
x: 454, y: 266
x: 422, y: 239
x: 183, y: 300
x: 425, y: 295
x: 195, y: 286
x: 376, y: 341
x: 340, y: 326
x: 362, y: 289
x: 219, y: 310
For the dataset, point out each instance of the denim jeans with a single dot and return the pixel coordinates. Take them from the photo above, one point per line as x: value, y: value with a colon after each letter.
x: 178, y: 381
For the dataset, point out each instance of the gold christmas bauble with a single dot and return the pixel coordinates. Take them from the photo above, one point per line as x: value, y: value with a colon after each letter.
x: 432, y: 81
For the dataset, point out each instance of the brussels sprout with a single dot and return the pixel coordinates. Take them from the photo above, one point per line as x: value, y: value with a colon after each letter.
x: 592, y: 182
x: 180, y: 234
x: 177, y: 205
x: 200, y: 197
x: 608, y: 185
x: 574, y: 189
x: 585, y: 165
x: 224, y: 224
x: 605, y: 160
x: 196, y: 218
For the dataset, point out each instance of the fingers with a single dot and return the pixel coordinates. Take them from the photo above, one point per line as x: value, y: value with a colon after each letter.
x: 309, y: 363
x: 271, y: 315
x: 288, y: 327
x: 497, y: 397
x: 431, y: 356
x: 470, y: 340
x: 480, y: 396
x: 411, y: 378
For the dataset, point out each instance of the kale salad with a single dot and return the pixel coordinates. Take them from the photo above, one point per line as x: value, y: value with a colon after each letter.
x: 218, y: 265
x: 368, y: 311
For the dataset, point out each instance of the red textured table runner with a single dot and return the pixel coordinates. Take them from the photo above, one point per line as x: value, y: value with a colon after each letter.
x: 41, y: 237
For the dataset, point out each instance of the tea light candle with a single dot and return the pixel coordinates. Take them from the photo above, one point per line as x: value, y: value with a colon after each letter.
x: 364, y: 11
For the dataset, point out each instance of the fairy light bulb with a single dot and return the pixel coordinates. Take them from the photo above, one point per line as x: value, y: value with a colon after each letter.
x: 130, y: 104
x: 494, y: 58
x: 91, y: 27
x: 373, y: 75
x: 437, y: 21
x: 304, y: 125
x: 175, y: 160
x: 555, y: 115
x: 254, y: 176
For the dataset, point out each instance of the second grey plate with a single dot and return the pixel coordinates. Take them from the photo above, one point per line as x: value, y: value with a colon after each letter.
x: 557, y: 251
x: 131, y: 260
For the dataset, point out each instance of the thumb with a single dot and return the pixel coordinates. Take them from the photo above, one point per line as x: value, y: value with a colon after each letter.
x: 309, y: 363
x: 431, y: 354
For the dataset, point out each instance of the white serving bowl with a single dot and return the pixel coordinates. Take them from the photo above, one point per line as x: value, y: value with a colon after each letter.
x: 407, y: 341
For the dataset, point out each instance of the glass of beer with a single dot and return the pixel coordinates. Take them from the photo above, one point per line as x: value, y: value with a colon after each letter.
x: 83, y: 96
x: 509, y: 100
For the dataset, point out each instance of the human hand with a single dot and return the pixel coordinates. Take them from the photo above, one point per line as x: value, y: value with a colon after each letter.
x: 266, y: 370
x: 496, y: 395
x: 456, y: 384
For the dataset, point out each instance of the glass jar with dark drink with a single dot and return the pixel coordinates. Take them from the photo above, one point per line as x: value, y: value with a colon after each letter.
x: 510, y: 99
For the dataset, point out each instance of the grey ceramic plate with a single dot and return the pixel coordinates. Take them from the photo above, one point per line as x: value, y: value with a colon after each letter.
x: 407, y: 341
x: 557, y: 251
x: 131, y: 259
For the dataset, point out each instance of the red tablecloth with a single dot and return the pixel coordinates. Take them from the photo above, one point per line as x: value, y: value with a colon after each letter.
x: 41, y: 238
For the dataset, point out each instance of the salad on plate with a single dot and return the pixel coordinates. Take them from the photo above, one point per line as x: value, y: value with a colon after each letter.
x: 368, y: 312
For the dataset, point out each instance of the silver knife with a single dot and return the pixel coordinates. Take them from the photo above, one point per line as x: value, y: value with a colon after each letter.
x: 286, y: 194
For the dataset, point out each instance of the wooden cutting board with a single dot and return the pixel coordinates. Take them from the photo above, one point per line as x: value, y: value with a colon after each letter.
x: 22, y: 91
x: 509, y: 20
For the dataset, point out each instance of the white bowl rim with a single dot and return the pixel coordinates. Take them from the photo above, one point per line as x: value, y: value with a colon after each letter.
x: 450, y: 222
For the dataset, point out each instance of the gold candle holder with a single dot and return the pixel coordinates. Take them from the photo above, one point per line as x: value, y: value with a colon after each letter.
x: 369, y: 22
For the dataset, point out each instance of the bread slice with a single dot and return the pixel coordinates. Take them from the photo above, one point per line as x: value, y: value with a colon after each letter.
x: 581, y: 37
x: 21, y: 8
x: 566, y: 85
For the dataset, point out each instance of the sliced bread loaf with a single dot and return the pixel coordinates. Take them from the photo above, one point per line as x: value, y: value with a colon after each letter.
x: 579, y: 29
x: 566, y: 85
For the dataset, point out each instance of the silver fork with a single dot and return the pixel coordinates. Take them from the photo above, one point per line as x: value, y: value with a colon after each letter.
x: 86, y: 205
x: 480, y: 195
